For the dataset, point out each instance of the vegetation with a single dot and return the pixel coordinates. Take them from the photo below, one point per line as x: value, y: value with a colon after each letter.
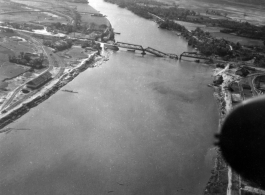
x: 144, y: 8
x: 203, y: 41
x: 244, y: 29
x: 58, y: 45
x: 78, y: 1
x: 64, y: 28
x: 28, y: 59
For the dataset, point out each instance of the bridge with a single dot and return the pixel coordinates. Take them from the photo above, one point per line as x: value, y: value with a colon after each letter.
x: 156, y: 52
x: 193, y: 55
x: 129, y: 46
x: 160, y: 53
x: 148, y: 49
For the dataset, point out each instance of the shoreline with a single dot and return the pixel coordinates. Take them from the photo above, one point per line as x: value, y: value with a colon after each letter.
x: 49, y: 89
x: 66, y: 74
x: 223, y: 179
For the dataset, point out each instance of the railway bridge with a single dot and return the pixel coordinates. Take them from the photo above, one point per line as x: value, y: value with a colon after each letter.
x: 193, y: 55
x: 144, y: 50
x: 129, y: 46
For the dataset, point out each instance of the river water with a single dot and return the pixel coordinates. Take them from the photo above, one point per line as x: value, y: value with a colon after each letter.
x: 139, y: 125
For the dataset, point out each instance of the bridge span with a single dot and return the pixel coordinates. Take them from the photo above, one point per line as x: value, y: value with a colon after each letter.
x: 129, y: 46
x: 193, y: 55
x: 144, y: 50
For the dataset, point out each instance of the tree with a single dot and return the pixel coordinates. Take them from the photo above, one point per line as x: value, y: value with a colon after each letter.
x: 22, y: 54
x: 103, y: 26
x: 92, y: 25
x: 27, y: 58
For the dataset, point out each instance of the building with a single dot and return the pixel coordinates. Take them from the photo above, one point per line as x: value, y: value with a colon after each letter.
x: 242, y: 72
x: 39, y: 81
x: 260, y: 82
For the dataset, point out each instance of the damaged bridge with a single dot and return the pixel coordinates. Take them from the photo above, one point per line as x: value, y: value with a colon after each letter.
x: 144, y: 50
x: 193, y: 55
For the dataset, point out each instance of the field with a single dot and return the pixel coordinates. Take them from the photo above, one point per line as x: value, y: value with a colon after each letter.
x: 41, y: 4
x: 238, y: 11
x: 8, y: 6
x: 74, y: 54
x: 10, y: 46
x: 97, y: 20
x: 235, y: 39
x: 17, y: 46
x: 29, y: 13
x: 31, y: 17
x: 10, y: 70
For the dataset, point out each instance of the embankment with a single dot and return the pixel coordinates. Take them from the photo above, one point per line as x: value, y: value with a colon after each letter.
x: 24, y: 107
x: 220, y: 182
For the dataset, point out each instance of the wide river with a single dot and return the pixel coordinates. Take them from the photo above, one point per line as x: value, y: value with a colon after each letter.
x: 139, y: 125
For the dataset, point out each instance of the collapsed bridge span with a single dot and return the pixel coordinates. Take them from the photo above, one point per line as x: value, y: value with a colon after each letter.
x: 129, y: 46
x: 144, y: 50
x: 193, y: 55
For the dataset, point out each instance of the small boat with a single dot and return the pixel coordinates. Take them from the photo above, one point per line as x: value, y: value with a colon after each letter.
x: 69, y: 91
x: 198, y: 61
x: 131, y: 50
x: 117, y: 33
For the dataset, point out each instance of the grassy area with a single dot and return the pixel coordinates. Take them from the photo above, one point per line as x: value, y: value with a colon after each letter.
x: 31, y: 17
x: 73, y: 56
x: 9, y: 47
x: 97, y: 20
x: 235, y: 39
x: 17, y: 47
x: 4, y: 50
x: 6, y: 6
x: 41, y: 4
x: 86, y: 18
x: 9, y: 70
x: 82, y: 8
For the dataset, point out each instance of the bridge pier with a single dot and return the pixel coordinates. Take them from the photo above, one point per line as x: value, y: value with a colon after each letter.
x: 180, y: 57
x: 143, y: 52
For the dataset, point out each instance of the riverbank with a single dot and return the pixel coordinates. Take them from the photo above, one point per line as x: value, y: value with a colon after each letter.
x: 231, y: 87
x: 58, y: 67
x: 219, y: 180
x: 49, y: 89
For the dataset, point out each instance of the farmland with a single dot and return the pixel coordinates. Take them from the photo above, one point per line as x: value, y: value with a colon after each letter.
x: 10, y: 46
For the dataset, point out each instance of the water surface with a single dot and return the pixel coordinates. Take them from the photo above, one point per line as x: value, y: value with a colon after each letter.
x: 139, y: 125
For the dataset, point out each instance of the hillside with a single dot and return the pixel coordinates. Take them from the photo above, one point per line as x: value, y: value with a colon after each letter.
x: 255, y: 2
x: 252, y: 2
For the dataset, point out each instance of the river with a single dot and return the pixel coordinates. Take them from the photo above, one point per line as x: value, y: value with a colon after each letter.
x: 138, y: 125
